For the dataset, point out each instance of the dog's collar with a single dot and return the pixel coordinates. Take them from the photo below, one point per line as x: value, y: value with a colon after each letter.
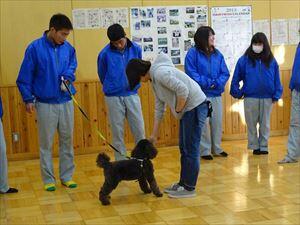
x: 140, y: 160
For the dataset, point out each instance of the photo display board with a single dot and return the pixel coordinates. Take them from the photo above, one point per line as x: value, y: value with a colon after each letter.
x: 168, y: 29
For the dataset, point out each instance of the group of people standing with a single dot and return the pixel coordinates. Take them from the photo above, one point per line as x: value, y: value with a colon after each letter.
x: 50, y: 60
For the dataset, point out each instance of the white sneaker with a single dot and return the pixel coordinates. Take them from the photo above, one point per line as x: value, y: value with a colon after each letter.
x: 287, y: 160
x: 182, y: 193
x: 172, y: 188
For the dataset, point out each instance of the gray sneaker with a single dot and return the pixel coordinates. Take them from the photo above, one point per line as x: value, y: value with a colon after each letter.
x: 172, y: 188
x: 182, y: 193
x: 287, y: 160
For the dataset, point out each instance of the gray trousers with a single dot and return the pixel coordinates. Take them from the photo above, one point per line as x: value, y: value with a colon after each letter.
x: 119, y: 108
x: 258, y: 111
x: 212, y: 131
x: 3, y: 162
x: 52, y: 117
x: 294, y: 132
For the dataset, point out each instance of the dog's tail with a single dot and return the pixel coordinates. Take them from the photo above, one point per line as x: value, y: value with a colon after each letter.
x: 103, y: 160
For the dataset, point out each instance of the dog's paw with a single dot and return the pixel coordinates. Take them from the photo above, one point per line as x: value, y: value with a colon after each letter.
x: 147, y: 191
x: 158, y: 194
x: 105, y: 202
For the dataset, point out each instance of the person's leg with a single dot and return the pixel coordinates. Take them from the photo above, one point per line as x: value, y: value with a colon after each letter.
x: 65, y: 135
x: 216, y: 126
x: 251, y: 108
x: 116, y: 109
x: 47, y: 120
x: 190, y: 134
x: 134, y: 116
x: 265, y: 109
x: 205, y: 143
x: 293, y: 146
x: 4, y: 188
x: 3, y: 162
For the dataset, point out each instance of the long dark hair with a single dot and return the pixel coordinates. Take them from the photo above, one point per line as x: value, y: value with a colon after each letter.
x: 266, y: 55
x: 201, y: 38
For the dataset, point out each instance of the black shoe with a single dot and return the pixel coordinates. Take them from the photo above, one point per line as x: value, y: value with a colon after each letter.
x: 207, y: 157
x: 264, y: 152
x: 222, y: 154
x: 256, y: 152
x: 11, y: 190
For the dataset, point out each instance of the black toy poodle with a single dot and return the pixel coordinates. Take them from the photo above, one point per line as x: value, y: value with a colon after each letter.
x: 138, y: 167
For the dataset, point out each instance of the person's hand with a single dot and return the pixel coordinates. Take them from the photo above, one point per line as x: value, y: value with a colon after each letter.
x: 30, y: 107
x: 152, y: 139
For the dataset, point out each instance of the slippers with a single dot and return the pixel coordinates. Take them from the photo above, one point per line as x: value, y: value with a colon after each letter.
x: 50, y: 187
x: 69, y: 184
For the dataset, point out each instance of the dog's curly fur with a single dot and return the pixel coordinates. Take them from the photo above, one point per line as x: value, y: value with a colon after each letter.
x: 139, y: 167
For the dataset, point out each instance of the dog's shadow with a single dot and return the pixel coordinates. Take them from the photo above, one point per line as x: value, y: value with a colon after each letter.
x: 138, y: 167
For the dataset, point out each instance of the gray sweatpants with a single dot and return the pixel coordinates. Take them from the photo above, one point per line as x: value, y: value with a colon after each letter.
x: 258, y: 111
x: 212, y: 131
x: 119, y: 108
x: 294, y: 132
x: 3, y: 162
x: 52, y: 117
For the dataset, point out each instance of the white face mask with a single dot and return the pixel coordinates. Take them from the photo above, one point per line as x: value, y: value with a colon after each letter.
x: 257, y: 48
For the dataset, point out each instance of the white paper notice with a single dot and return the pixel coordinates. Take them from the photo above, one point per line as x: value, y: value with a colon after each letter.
x: 279, y: 32
x: 262, y: 26
x: 79, y: 18
x: 121, y: 17
x: 107, y: 17
x: 294, y: 31
x: 93, y: 18
x: 233, y: 28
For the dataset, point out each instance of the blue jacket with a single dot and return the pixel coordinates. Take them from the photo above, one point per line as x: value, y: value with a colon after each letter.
x: 207, y: 71
x: 259, y: 81
x: 43, y: 66
x: 112, y: 68
x: 295, y: 79
x: 1, y: 109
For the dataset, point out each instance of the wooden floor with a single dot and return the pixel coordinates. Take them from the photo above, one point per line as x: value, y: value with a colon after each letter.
x: 240, y: 189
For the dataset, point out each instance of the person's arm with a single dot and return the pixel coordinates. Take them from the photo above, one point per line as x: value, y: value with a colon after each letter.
x: 238, y: 75
x: 102, y: 67
x: 224, y: 75
x: 25, y: 78
x: 160, y: 108
x: 69, y: 74
x: 190, y: 67
x: 277, y: 84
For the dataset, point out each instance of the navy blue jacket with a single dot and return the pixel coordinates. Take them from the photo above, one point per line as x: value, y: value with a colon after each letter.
x: 207, y: 71
x: 295, y: 79
x: 259, y: 81
x: 112, y: 68
x: 43, y: 66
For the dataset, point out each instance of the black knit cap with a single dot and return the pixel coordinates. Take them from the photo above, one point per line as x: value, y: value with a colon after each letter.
x: 136, y: 68
x: 115, y: 32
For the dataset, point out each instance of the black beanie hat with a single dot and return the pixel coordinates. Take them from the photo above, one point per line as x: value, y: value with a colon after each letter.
x: 115, y: 32
x: 135, y: 69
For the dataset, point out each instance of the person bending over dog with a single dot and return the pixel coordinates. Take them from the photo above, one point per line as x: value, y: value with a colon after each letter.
x: 187, y: 102
x: 139, y: 167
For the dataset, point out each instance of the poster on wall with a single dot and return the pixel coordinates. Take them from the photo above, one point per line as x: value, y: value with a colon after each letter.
x: 262, y: 26
x: 168, y: 29
x: 233, y: 28
x: 279, y: 32
x: 96, y: 18
x: 294, y: 31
